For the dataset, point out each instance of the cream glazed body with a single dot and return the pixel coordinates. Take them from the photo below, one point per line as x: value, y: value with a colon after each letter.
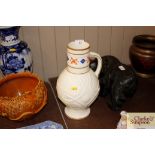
x: 78, y: 86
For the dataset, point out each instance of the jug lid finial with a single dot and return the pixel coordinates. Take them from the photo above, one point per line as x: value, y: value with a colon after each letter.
x: 78, y: 45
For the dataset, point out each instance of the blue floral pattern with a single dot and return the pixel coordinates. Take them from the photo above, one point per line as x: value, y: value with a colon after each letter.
x: 14, y: 63
x: 14, y: 58
x: 9, y: 31
x: 45, y: 125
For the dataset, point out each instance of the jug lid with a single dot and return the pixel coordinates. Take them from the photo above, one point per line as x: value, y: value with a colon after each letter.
x: 78, y: 45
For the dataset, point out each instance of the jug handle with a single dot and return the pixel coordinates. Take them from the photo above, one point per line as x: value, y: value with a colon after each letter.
x: 99, y: 59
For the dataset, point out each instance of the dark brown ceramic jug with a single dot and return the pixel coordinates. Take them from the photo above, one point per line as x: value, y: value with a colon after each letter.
x: 142, y: 55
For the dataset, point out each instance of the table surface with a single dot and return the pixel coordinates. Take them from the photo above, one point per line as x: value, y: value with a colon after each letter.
x: 101, y: 117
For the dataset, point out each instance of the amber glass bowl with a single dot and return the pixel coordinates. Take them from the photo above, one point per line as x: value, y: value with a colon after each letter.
x: 21, y: 95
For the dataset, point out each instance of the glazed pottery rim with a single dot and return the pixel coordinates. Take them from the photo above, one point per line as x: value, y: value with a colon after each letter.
x: 145, y: 41
x: 145, y: 36
x: 20, y: 75
x: 72, y: 45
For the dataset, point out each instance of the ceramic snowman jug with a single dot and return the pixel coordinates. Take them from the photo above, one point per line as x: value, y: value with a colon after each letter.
x: 78, y: 85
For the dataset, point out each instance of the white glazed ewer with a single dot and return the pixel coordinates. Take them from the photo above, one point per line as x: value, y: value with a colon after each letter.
x: 78, y: 86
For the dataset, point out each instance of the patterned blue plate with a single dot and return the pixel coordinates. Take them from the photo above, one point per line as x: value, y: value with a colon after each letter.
x: 44, y: 125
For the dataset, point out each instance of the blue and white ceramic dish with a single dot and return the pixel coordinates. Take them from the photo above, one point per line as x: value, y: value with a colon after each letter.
x: 15, y: 55
x: 44, y: 125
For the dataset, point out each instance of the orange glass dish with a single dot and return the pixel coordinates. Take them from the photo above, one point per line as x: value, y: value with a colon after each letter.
x: 21, y: 95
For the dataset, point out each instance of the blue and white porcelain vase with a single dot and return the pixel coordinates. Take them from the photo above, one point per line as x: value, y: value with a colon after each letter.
x: 15, y: 55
